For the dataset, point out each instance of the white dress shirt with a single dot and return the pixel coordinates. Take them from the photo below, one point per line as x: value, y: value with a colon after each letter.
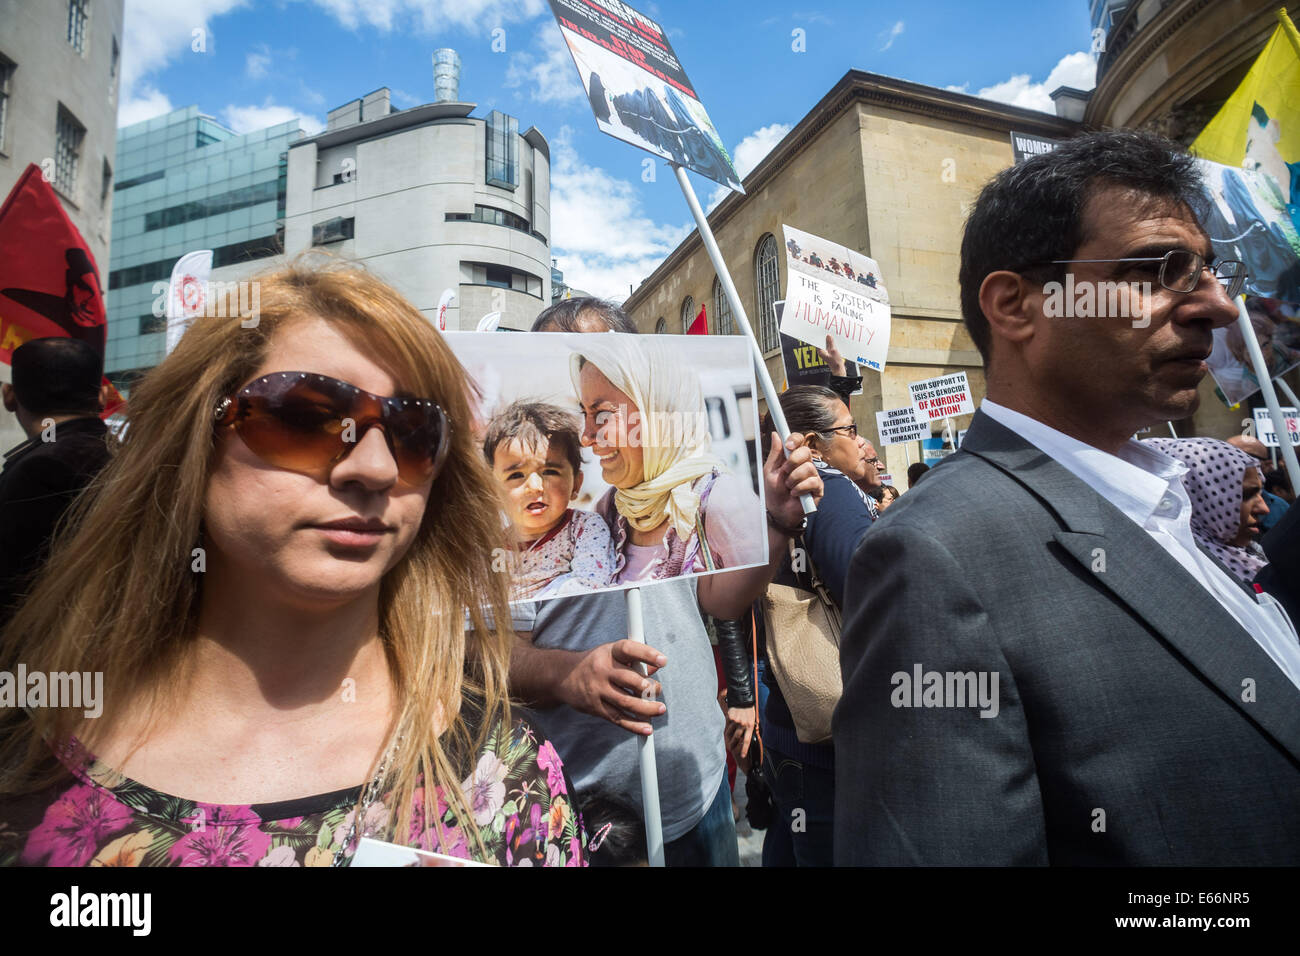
x: 1147, y: 486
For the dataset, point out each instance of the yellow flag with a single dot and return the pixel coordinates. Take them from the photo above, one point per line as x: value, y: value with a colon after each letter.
x: 1265, y: 108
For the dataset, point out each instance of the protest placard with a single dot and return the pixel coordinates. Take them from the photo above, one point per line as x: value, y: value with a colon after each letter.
x: 637, y: 89
x: 1268, y: 435
x: 942, y: 397
x: 835, y: 291
x: 901, y: 424
x: 686, y: 408
x: 803, y: 363
x: 1024, y: 145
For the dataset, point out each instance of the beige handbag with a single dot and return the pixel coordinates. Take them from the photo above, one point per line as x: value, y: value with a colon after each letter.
x: 803, y: 649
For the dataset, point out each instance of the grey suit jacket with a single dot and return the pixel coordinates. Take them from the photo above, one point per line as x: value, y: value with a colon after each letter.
x: 1136, y: 721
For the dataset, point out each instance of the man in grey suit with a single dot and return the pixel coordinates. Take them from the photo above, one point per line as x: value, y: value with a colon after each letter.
x: 1040, y: 666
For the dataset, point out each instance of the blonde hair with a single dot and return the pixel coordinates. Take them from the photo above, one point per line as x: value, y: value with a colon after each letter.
x: 118, y: 594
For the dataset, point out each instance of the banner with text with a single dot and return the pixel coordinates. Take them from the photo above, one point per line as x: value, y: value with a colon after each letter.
x: 899, y: 425
x: 803, y: 362
x: 637, y: 89
x: 1024, y: 145
x: 942, y: 397
x: 1268, y: 435
x: 835, y: 291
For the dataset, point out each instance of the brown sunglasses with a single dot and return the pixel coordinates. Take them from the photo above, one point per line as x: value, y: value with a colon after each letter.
x: 305, y: 422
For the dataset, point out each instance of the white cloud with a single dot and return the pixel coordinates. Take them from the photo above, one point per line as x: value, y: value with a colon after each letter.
x: 890, y: 35
x: 749, y: 153
x: 155, y: 34
x: 247, y: 119
x: 550, y: 76
x: 146, y: 103
x: 1078, y: 70
x: 600, y: 234
x: 429, y: 16
x: 257, y: 61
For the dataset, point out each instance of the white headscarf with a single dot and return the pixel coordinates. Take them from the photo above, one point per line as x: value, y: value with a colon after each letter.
x: 674, y: 426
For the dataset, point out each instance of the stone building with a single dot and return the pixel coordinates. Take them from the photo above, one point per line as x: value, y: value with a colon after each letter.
x: 888, y: 168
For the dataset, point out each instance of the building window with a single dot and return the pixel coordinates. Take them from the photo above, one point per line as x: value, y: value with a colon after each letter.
x: 333, y: 230
x: 67, y: 152
x: 501, y: 277
x: 767, y: 280
x: 502, y: 150
x: 107, y: 182
x: 495, y: 217
x: 6, y: 73
x: 152, y: 323
x: 139, y: 180
x: 112, y: 64
x: 78, y: 14
x: 202, y: 139
x: 722, y: 323
x: 202, y: 208
x: 688, y: 314
x: 661, y: 326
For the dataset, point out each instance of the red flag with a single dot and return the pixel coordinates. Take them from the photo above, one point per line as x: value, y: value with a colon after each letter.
x: 701, y: 324
x: 49, y: 283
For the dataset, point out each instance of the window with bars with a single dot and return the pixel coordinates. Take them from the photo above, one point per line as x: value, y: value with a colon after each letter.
x: 78, y: 15
x: 6, y: 73
x: 688, y: 314
x: 67, y: 151
x: 767, y: 280
x: 722, y: 321
x: 661, y: 326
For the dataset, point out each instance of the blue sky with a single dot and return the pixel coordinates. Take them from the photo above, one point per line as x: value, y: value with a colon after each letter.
x: 269, y: 60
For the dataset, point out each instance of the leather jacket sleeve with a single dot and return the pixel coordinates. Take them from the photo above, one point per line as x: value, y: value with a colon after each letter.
x: 733, y: 645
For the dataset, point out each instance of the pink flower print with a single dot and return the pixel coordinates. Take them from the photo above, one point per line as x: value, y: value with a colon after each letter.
x: 549, y: 761
x: 74, y: 827
x: 486, y: 789
x: 280, y: 856
x: 575, y: 852
x: 220, y: 843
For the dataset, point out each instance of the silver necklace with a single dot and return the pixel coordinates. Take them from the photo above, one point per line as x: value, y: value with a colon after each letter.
x: 368, y: 797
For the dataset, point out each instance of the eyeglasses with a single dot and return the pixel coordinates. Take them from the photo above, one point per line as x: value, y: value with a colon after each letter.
x: 306, y: 422
x: 1180, y: 270
x: 851, y: 429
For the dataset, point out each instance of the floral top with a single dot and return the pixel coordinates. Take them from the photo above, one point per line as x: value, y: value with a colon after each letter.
x: 518, y: 794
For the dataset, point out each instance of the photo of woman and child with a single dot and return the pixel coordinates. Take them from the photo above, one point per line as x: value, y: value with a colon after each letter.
x: 663, y: 501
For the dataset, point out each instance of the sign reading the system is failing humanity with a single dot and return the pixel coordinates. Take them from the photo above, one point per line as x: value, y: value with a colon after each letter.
x: 637, y: 89
x: 835, y: 291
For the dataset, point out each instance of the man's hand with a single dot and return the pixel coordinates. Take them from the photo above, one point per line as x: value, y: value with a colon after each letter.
x: 606, y: 682
x: 832, y: 357
x: 786, y: 478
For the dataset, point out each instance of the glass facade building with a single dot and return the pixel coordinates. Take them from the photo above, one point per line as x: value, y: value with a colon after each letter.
x: 184, y: 182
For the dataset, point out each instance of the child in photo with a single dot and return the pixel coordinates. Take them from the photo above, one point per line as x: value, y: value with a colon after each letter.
x: 535, y: 452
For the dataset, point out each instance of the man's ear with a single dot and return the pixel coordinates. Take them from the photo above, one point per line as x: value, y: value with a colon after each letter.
x: 1007, y: 300
x: 10, y: 399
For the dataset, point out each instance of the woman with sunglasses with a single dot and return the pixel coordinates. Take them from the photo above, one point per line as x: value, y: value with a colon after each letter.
x: 272, y: 578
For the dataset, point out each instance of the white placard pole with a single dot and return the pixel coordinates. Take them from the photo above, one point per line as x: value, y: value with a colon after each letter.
x: 654, y: 828
x: 1266, y: 389
x: 1171, y: 429
x: 738, y: 312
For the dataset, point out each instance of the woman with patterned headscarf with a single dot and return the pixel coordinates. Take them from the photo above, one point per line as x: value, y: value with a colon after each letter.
x: 673, y: 508
x: 1224, y: 485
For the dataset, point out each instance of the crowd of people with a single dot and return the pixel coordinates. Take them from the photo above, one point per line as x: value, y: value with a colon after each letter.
x: 1062, y: 645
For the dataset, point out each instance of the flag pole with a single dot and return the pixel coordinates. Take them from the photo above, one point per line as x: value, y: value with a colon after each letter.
x: 1266, y: 389
x: 654, y: 829
x: 738, y: 312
